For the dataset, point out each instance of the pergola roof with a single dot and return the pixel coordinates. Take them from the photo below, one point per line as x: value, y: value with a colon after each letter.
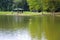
x: 18, y: 9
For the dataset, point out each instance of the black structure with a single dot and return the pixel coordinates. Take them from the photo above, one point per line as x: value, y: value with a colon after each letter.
x: 18, y: 10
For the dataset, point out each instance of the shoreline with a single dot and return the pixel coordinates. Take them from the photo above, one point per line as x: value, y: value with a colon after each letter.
x: 31, y: 14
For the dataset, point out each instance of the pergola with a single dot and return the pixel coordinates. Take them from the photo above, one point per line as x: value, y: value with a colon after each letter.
x: 18, y: 10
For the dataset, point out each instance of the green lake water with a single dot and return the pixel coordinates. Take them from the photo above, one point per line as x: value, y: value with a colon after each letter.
x: 43, y: 27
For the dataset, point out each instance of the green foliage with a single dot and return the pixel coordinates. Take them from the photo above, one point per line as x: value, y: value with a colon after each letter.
x: 6, y: 5
x: 18, y: 3
x: 57, y: 6
x: 38, y: 4
x: 44, y: 5
x: 54, y: 5
x: 33, y: 5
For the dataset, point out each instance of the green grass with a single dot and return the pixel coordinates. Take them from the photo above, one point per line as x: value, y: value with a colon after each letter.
x: 4, y: 13
x: 24, y: 13
x: 31, y: 13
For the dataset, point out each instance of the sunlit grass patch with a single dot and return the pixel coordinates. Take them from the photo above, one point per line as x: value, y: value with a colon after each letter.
x: 4, y: 13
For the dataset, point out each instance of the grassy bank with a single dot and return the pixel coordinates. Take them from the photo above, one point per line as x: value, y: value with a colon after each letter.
x: 2, y: 13
x: 26, y: 13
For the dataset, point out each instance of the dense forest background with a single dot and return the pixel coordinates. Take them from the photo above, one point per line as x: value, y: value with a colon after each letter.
x: 30, y: 5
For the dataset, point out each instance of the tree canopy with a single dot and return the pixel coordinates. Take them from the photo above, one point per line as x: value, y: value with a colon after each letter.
x: 32, y: 5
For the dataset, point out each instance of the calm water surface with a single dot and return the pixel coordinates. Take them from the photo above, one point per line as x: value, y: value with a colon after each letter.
x: 44, y: 27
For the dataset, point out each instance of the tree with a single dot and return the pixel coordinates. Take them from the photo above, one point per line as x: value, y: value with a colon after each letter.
x: 20, y: 4
x: 44, y: 5
x: 53, y: 5
x: 38, y: 4
x: 33, y: 5
x: 57, y: 6
x: 6, y: 5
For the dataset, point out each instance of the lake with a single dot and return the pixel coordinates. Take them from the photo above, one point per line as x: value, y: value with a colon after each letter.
x: 43, y: 27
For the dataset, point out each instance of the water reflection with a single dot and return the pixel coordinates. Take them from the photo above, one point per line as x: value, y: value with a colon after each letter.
x: 14, y: 28
x: 9, y: 22
x: 35, y: 27
x: 52, y: 27
x: 15, y: 35
x: 46, y: 27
